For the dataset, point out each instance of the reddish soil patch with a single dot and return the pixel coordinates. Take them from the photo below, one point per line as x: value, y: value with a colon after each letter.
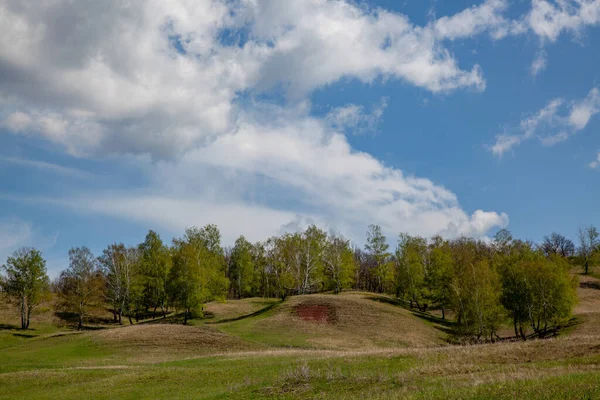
x: 316, y: 313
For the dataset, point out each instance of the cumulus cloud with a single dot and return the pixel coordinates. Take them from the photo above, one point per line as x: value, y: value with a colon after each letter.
x: 160, y: 77
x: 179, y: 82
x: 549, y: 19
x: 246, y: 181
x: 548, y: 125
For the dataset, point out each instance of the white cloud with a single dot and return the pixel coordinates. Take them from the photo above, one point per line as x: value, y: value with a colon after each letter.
x: 549, y: 126
x: 175, y: 80
x: 17, y: 121
x: 548, y: 19
x: 539, y: 64
x: 476, y: 20
x: 596, y: 162
x: 355, y: 119
x: 583, y: 111
x: 119, y: 76
x: 282, y: 166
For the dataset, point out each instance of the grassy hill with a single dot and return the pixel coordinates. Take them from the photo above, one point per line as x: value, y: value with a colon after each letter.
x: 350, y: 346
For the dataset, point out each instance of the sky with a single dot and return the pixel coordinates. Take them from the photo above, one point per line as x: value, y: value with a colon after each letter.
x: 430, y: 117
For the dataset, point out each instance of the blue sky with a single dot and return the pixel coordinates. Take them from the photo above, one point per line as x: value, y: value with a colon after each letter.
x: 427, y: 117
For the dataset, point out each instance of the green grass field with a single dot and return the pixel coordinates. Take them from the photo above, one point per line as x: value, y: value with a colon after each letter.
x: 350, y: 346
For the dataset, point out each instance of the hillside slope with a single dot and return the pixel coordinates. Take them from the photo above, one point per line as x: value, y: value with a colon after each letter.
x: 347, y: 321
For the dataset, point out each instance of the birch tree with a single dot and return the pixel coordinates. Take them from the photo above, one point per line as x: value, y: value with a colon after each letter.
x: 26, y: 281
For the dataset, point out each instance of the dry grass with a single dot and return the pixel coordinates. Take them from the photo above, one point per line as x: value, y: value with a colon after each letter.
x: 231, y: 309
x: 355, y: 321
x: 163, y: 342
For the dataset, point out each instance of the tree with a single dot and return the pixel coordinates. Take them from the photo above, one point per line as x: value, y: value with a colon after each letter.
x: 411, y: 261
x: 557, y: 244
x: 118, y: 266
x: 377, y: 248
x: 553, y: 293
x: 81, y: 284
x: 475, y: 290
x: 155, y: 262
x: 312, y: 243
x: 340, y: 266
x: 516, y: 295
x: 439, y: 274
x: 242, y: 272
x: 26, y: 281
x: 197, y: 275
x: 589, y: 242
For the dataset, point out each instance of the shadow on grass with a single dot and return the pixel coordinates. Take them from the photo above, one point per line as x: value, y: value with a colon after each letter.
x: 443, y: 325
x: 590, y: 285
x: 9, y: 327
x: 254, y: 314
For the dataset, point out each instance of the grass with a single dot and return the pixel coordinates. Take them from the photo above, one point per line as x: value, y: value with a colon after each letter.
x: 372, y: 348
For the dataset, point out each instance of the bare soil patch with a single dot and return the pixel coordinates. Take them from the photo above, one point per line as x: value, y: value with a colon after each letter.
x: 316, y: 313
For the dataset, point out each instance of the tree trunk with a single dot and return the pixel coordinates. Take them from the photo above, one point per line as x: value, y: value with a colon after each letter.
x: 23, y: 319
x: 120, y: 317
x: 80, y: 325
x: 130, y: 321
x: 154, y: 313
x: 516, y: 330
x: 185, y: 316
x: 443, y: 313
x: 587, y: 264
x: 115, y: 315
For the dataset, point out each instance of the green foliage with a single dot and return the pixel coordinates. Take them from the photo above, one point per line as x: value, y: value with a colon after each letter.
x: 377, y: 248
x: 339, y: 263
x: 242, y: 272
x: 154, y: 266
x: 82, y: 284
x: 197, y: 274
x: 411, y: 266
x: 475, y: 290
x: 26, y: 281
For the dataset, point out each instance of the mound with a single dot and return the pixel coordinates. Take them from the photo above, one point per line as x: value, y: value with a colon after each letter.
x: 155, y: 342
x: 588, y: 308
x: 345, y: 321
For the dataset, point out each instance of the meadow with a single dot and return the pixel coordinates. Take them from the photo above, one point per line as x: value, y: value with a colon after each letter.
x: 354, y: 345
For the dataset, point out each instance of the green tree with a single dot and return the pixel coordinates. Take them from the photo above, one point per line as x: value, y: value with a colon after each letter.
x: 118, y: 265
x: 81, y: 285
x: 312, y: 244
x: 242, y: 272
x: 154, y: 265
x: 26, y: 281
x: 553, y: 293
x: 512, y: 264
x: 439, y: 274
x: 377, y: 248
x: 339, y: 262
x: 197, y: 275
x: 411, y: 263
x: 475, y: 290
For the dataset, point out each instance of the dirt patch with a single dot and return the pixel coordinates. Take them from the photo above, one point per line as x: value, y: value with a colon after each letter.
x: 318, y: 313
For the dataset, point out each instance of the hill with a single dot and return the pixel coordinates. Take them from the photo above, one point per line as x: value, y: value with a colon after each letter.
x: 349, y: 320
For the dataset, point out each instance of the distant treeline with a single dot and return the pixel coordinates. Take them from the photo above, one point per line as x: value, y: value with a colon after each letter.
x: 481, y: 284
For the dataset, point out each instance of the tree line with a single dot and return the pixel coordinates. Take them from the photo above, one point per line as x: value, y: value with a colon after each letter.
x: 481, y: 284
